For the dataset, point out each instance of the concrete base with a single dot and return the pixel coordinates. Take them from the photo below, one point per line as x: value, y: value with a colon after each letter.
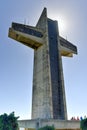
x: 58, y: 124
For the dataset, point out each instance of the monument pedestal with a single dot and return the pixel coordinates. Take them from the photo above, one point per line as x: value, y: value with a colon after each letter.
x: 58, y: 124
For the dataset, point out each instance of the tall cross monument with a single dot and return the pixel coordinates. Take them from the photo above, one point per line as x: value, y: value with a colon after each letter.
x: 48, y: 94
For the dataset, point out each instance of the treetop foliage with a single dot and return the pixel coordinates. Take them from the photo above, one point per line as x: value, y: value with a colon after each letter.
x: 83, y: 124
x: 8, y: 122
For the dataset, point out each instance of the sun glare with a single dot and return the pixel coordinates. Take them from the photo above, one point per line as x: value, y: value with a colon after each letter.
x: 62, y: 23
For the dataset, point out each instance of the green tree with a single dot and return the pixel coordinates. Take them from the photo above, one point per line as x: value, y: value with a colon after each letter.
x: 83, y: 124
x: 8, y: 122
x: 47, y: 128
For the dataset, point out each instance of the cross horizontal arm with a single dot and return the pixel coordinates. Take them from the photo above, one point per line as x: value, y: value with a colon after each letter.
x: 33, y: 37
x: 67, y: 48
x: 28, y: 35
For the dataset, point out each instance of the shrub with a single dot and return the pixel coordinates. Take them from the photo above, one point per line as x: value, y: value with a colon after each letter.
x: 47, y: 128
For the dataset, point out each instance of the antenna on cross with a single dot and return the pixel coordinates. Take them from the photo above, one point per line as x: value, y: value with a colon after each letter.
x: 28, y: 22
x: 25, y: 21
x: 66, y: 37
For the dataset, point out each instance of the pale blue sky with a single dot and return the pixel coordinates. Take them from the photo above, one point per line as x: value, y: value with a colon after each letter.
x: 16, y: 60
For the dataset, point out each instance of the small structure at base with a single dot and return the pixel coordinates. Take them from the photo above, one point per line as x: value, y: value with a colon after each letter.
x: 58, y: 124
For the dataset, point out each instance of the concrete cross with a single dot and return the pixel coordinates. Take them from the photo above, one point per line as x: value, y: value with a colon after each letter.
x: 48, y: 98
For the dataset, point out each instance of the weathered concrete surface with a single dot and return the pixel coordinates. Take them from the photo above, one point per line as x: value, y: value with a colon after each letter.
x: 58, y: 124
x: 48, y: 97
